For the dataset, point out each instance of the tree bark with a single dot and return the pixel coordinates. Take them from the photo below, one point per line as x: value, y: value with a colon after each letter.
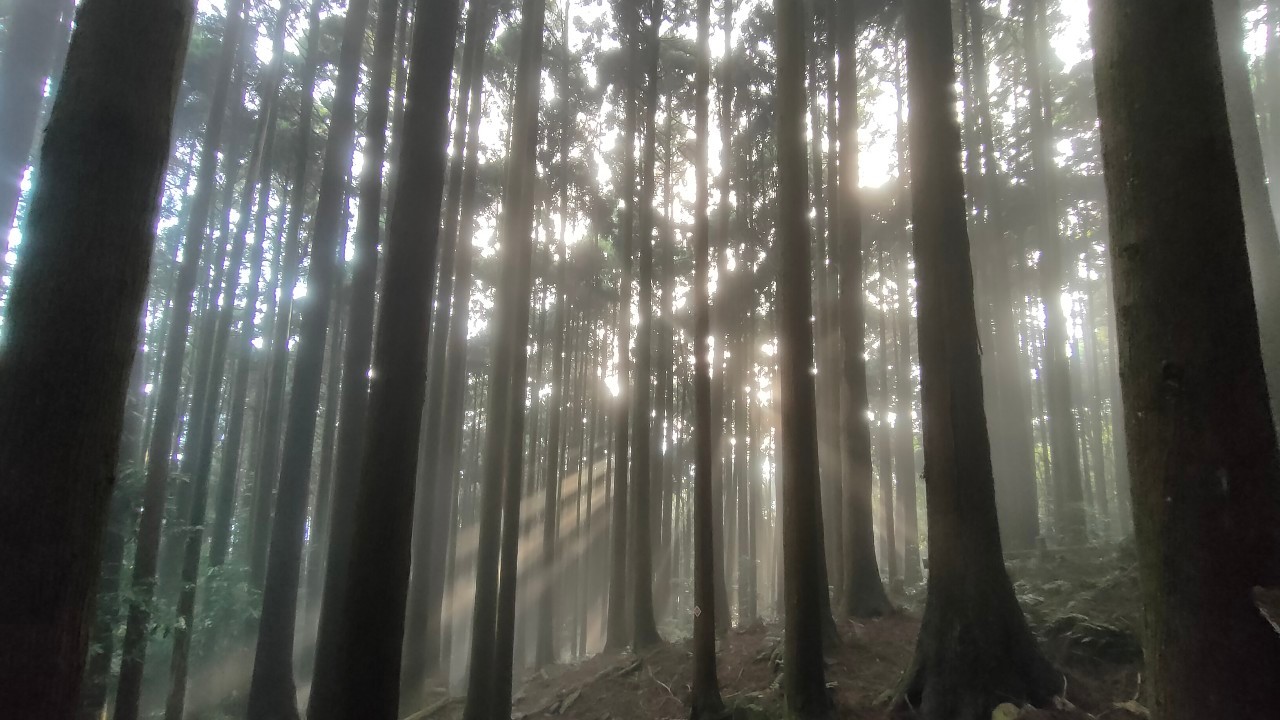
x: 644, y: 627
x: 864, y: 594
x: 489, y: 685
x: 355, y: 368
x: 705, y: 701
x: 1202, y: 444
x: 618, y: 637
x: 366, y: 678
x: 804, y: 681
x: 271, y: 691
x: 71, y: 336
x: 975, y: 650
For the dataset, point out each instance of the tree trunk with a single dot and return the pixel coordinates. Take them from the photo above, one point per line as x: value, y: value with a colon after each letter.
x: 864, y: 594
x: 618, y: 637
x: 270, y: 430
x: 355, y: 368
x: 72, y: 334
x: 975, y: 650
x: 644, y: 624
x: 366, y: 678
x: 1202, y: 444
x: 489, y: 685
x: 805, y: 684
x: 705, y: 701
x: 271, y: 692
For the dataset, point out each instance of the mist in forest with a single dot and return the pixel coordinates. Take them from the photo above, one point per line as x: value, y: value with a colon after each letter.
x: 484, y: 359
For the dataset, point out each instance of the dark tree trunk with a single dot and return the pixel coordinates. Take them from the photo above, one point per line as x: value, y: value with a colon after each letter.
x: 489, y: 685
x: 804, y: 682
x: 705, y: 701
x: 270, y: 426
x: 1259, y: 220
x: 33, y: 33
x: 644, y: 627
x: 1202, y: 445
x: 864, y: 594
x: 443, y: 414
x: 718, y: 245
x: 617, y: 635
x: 72, y: 334
x: 134, y: 647
x: 271, y: 692
x: 366, y: 678
x: 975, y: 650
x: 355, y: 369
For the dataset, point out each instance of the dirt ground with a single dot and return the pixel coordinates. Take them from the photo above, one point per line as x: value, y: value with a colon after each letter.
x: 1082, y: 604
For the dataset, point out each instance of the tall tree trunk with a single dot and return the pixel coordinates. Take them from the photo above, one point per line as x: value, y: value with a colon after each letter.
x: 270, y: 430
x: 367, y: 670
x: 804, y: 682
x: 618, y: 637
x: 975, y: 650
x: 134, y: 647
x: 71, y: 336
x: 705, y: 701
x: 271, y: 692
x: 1202, y: 444
x: 644, y: 627
x: 864, y: 594
x: 489, y: 685
x: 355, y: 368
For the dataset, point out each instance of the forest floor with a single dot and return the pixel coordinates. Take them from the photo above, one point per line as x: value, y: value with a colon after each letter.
x: 1082, y: 604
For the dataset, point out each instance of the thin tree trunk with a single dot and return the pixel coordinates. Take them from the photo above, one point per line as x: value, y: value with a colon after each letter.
x: 705, y: 701
x: 367, y: 674
x: 489, y: 686
x: 270, y: 430
x: 618, y: 637
x: 271, y: 691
